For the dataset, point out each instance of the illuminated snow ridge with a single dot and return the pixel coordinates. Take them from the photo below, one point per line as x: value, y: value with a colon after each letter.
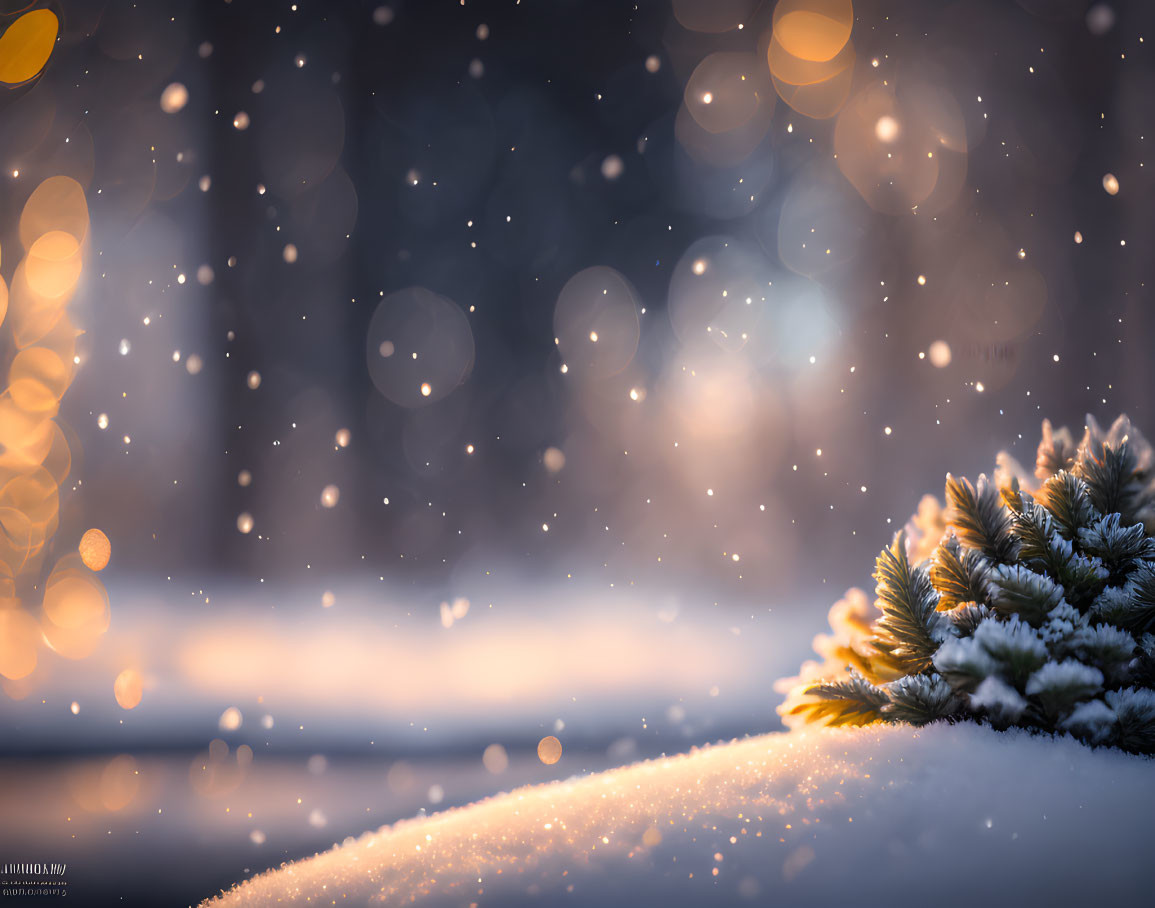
x: 816, y: 815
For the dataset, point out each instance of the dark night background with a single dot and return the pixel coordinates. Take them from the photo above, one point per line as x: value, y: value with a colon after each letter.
x: 399, y: 97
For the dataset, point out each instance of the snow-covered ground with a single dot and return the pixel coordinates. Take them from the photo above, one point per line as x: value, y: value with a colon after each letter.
x: 948, y: 815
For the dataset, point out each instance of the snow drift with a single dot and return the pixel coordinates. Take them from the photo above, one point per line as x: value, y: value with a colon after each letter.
x: 950, y: 814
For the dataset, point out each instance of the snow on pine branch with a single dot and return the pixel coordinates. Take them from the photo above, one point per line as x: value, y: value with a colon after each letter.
x: 1035, y: 609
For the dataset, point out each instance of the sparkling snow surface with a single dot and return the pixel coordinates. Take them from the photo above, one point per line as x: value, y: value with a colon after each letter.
x: 947, y: 815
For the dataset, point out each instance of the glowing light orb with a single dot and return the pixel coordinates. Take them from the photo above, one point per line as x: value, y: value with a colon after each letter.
x: 330, y: 495
x: 495, y: 759
x: 231, y: 719
x: 128, y: 688
x: 1100, y: 19
x: 813, y: 30
x: 26, y: 45
x: 56, y: 204
x: 173, y: 98
x: 886, y: 129
x: 75, y: 600
x: 553, y: 459
x: 549, y: 750
x: 815, y: 87
x: 1110, y: 184
x: 19, y: 637
x: 95, y: 549
x: 939, y: 354
x: 245, y: 522
x: 53, y: 265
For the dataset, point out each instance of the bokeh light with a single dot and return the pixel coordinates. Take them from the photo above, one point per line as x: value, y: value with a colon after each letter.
x: 95, y: 549
x: 495, y: 759
x: 128, y: 688
x: 596, y: 323
x: 815, y: 30
x: 26, y: 45
x: 549, y: 750
x: 433, y: 343
x: 443, y: 385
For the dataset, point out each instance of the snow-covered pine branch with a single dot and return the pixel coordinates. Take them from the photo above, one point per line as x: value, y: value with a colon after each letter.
x: 978, y: 517
x: 853, y: 701
x: 910, y: 627
x: 1036, y: 609
x: 960, y: 575
x: 1065, y: 497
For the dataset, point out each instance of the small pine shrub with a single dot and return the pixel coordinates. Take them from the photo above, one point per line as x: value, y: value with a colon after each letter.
x: 1027, y: 603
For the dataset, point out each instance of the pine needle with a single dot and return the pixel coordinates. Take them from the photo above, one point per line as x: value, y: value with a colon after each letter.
x: 978, y: 518
x: 909, y: 627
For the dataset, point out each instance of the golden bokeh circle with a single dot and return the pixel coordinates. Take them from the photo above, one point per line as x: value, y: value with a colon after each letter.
x: 549, y: 750
x: 26, y: 46
x: 128, y: 688
x: 95, y: 549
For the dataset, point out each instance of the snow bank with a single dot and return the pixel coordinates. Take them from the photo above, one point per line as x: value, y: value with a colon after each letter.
x: 883, y: 814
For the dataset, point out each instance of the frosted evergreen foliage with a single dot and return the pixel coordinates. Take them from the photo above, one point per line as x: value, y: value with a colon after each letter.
x: 1036, y: 609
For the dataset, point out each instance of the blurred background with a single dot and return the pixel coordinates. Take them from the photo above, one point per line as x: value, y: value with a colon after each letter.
x: 453, y: 375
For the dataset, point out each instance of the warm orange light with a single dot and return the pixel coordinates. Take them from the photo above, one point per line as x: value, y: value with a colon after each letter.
x: 26, y: 46
x: 73, y: 599
x: 18, y: 637
x: 95, y: 549
x: 128, y: 688
x: 56, y: 204
x: 549, y: 750
x: 813, y: 30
